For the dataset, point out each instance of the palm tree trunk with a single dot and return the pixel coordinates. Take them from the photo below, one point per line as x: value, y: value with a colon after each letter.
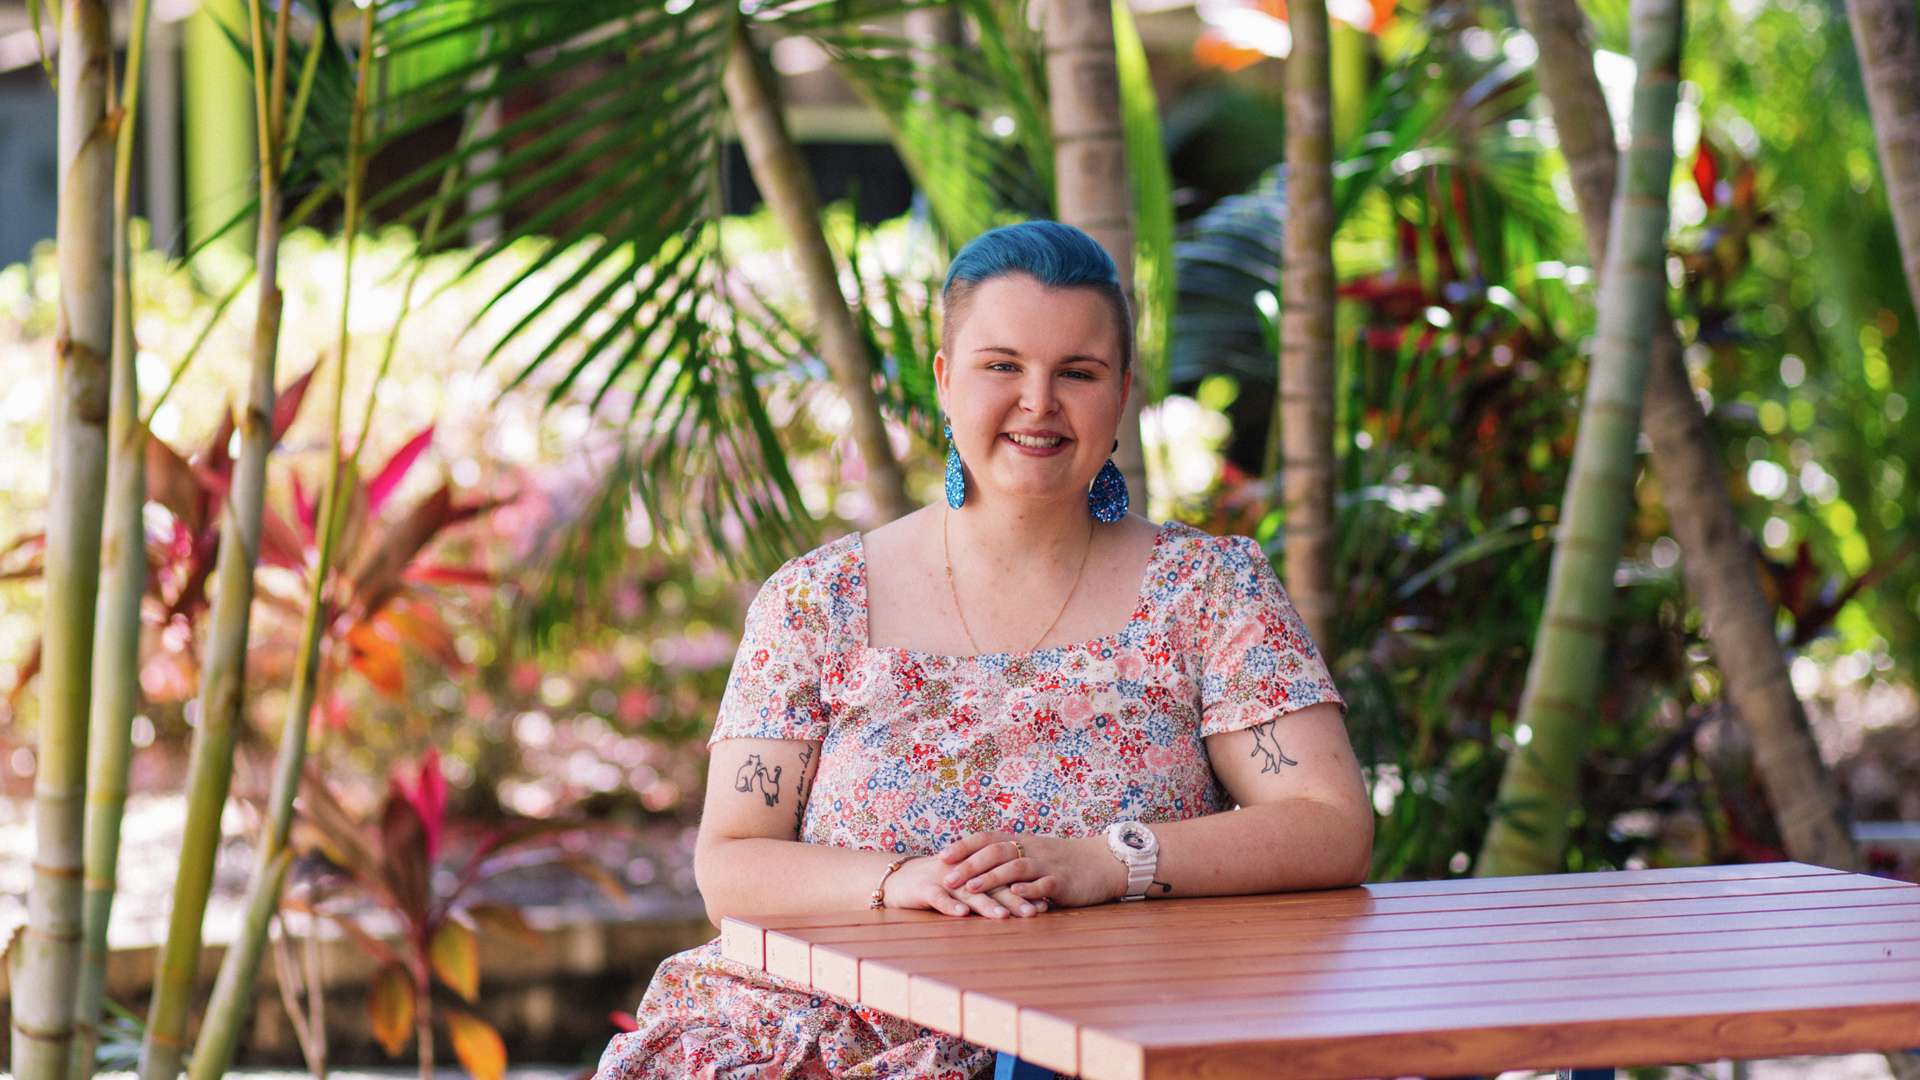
x: 223, y: 675
x: 1090, y: 170
x: 123, y: 579
x: 232, y: 1000
x: 1306, y: 324
x: 1886, y: 34
x: 781, y: 174
x: 47, y: 958
x: 1541, y: 784
x: 1717, y: 565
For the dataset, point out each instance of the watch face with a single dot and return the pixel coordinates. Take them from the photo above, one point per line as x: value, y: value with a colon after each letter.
x: 1135, y: 837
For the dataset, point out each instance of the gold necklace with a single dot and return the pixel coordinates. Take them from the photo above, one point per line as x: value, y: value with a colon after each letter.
x: 947, y: 557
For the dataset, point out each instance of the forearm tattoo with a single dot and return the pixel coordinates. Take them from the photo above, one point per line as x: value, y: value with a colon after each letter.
x: 753, y: 773
x: 1267, y: 745
x: 800, y: 789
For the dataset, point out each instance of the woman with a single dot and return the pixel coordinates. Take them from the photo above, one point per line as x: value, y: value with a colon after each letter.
x: 1022, y: 700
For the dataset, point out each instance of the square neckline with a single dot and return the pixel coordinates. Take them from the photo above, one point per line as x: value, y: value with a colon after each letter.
x: 865, y: 637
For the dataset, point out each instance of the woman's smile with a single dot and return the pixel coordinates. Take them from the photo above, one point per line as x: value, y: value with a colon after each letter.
x: 1036, y: 445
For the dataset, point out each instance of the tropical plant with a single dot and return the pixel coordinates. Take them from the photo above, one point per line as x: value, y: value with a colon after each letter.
x: 46, y: 962
x: 116, y: 644
x: 222, y: 693
x: 1538, y: 790
x: 397, y: 862
x: 1717, y: 562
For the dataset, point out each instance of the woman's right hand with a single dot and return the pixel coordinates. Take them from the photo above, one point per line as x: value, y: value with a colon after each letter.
x: 916, y: 885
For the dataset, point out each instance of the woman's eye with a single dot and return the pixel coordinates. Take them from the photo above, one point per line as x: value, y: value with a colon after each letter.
x: 1079, y: 374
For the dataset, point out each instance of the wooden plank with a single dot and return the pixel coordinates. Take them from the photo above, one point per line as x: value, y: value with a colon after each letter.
x: 1358, y: 916
x: 1335, y: 986
x: 1352, y: 1012
x: 743, y: 942
x: 957, y: 974
x: 1343, y: 903
x: 1172, y: 941
x: 1698, y: 883
x: 1659, y: 1029
x: 896, y: 960
x: 994, y: 993
x: 1599, y: 879
x: 789, y: 957
x: 1344, y: 996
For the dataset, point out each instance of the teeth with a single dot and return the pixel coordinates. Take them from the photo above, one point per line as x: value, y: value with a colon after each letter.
x: 1036, y: 443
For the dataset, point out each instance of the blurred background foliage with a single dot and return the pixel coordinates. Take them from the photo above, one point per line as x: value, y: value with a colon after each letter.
x: 581, y: 666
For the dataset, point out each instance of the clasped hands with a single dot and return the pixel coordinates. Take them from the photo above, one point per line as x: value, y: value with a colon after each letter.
x: 1000, y: 874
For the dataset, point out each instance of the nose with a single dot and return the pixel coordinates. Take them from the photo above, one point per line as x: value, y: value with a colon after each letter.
x: 1037, y: 394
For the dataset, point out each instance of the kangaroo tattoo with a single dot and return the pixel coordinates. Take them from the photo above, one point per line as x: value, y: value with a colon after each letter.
x: 1265, y: 743
x: 754, y: 772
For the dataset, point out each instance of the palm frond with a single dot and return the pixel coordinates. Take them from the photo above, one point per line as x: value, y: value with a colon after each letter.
x: 968, y: 123
x: 1154, y: 274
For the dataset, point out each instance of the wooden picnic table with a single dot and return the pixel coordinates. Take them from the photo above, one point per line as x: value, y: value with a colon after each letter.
x: 1432, y: 978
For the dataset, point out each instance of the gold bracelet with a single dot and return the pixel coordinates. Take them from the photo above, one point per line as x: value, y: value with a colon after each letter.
x: 879, y: 897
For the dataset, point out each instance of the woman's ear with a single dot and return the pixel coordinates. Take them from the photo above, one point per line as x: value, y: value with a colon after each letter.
x: 940, y: 375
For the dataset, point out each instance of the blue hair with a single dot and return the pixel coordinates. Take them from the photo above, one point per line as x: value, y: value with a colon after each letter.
x: 1057, y: 255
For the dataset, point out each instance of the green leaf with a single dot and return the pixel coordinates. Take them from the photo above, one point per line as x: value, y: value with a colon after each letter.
x: 478, y: 1046
x: 454, y: 954
x: 390, y: 1008
x: 1154, y: 281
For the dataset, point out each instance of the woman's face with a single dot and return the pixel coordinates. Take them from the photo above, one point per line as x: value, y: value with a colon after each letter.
x: 1033, y: 387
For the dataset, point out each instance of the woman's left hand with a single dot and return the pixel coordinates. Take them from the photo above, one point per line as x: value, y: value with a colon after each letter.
x: 1063, y: 872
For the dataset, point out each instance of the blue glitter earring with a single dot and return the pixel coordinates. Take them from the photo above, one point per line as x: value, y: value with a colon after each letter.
x: 956, y: 476
x: 1107, y: 499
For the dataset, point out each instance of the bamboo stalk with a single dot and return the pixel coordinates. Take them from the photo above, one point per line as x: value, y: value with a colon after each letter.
x: 223, y: 675
x: 782, y: 176
x: 1541, y: 783
x: 1306, y: 324
x: 1718, y: 564
x: 46, y: 961
x: 232, y: 996
x: 123, y: 578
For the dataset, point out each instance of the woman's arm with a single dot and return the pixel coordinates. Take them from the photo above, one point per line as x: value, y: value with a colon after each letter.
x: 1304, y: 822
x: 748, y: 858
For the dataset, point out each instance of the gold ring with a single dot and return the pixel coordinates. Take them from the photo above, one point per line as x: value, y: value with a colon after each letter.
x: 1018, y: 851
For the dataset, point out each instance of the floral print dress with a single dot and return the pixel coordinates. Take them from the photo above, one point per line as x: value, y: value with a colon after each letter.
x: 919, y: 749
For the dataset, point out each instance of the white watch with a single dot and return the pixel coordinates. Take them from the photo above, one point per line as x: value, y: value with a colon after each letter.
x: 1139, y: 851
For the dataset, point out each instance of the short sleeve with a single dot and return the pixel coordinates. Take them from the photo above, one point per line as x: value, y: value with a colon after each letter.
x: 773, y: 691
x: 1257, y: 661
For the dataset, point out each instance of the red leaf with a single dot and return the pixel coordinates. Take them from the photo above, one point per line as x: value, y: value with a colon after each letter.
x: 214, y: 458
x: 286, y: 405
x: 390, y: 474
x: 176, y: 485
x: 443, y: 574
x: 1706, y: 174
x: 279, y: 544
x: 303, y: 509
x: 427, y: 792
x: 405, y: 863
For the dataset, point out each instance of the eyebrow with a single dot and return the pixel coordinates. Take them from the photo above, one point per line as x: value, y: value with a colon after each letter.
x: 1068, y: 359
